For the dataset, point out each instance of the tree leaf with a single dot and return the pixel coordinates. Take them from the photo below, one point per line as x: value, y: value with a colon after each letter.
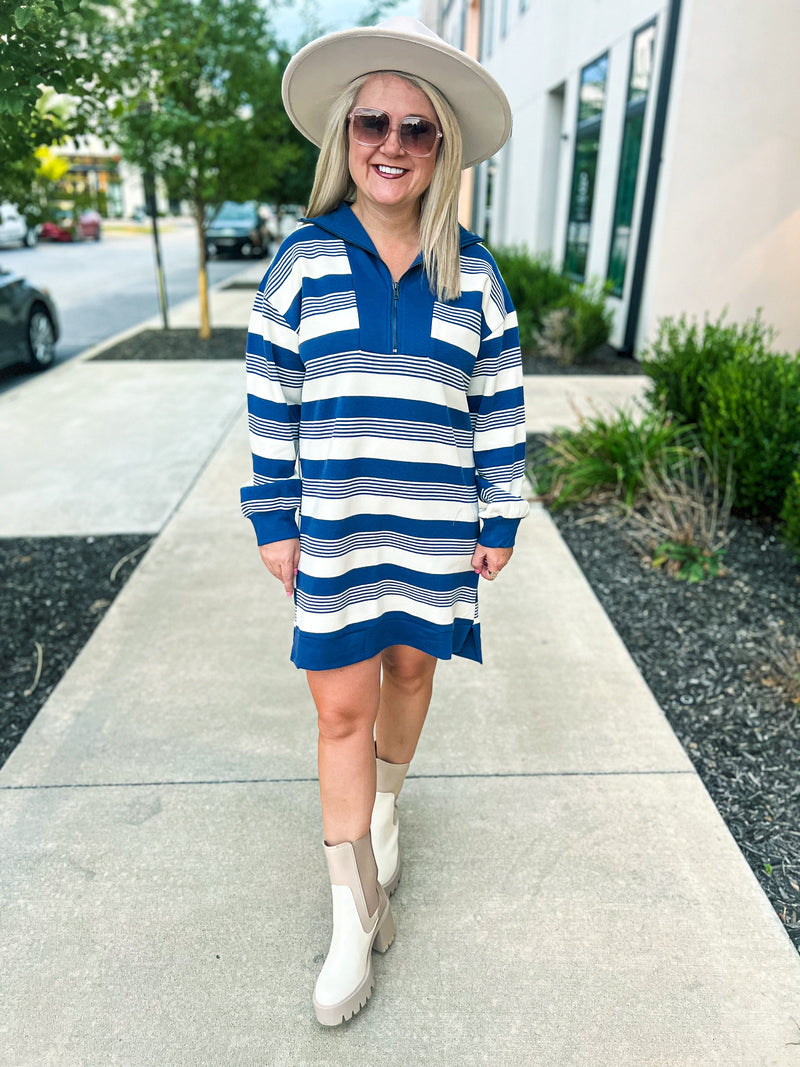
x: 23, y: 15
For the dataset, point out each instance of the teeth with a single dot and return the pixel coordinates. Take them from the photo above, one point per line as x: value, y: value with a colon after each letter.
x: 391, y: 170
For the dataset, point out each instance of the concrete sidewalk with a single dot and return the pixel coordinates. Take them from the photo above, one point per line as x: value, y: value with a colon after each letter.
x: 570, y: 895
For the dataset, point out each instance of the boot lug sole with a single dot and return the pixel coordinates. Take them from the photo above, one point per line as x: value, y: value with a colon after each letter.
x: 390, y: 886
x: 336, y: 1014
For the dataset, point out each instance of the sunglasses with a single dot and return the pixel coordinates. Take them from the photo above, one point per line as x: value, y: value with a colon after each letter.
x: 371, y: 127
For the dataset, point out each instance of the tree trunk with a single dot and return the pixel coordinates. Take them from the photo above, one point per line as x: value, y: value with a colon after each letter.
x: 202, y: 273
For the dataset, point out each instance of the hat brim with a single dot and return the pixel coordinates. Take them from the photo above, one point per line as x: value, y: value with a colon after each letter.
x: 315, y: 77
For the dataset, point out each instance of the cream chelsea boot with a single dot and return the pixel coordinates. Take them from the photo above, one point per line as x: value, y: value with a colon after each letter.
x: 362, y: 920
x: 384, y: 826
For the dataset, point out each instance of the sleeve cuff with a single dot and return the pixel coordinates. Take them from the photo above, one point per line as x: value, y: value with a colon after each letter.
x: 498, y: 532
x: 274, y: 526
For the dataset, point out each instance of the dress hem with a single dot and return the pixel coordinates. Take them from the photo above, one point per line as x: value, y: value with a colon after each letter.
x: 354, y: 644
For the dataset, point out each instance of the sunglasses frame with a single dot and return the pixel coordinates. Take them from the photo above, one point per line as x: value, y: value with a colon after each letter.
x: 399, y: 127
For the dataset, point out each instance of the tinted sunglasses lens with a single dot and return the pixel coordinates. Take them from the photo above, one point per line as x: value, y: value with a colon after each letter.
x: 370, y: 127
x: 418, y: 136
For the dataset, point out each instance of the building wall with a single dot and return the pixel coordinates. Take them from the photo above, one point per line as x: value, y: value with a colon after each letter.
x: 727, y: 227
x: 538, y: 61
x: 727, y: 215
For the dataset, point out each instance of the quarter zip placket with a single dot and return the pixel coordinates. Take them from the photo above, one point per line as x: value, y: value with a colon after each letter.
x: 395, y: 296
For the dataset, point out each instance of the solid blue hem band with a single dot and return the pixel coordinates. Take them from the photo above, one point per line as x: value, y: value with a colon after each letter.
x: 362, y: 641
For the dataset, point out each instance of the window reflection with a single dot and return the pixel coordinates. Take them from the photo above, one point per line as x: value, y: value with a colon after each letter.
x: 587, y: 146
x: 638, y: 89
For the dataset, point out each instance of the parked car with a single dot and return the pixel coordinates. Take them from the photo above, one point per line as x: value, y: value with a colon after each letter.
x: 13, y: 227
x: 61, y: 227
x: 290, y: 218
x: 240, y: 229
x: 28, y: 323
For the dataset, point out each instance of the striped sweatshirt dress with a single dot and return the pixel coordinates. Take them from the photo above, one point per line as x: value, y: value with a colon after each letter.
x: 393, y: 425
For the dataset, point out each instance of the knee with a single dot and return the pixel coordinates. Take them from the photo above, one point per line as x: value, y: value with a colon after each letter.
x: 339, y: 721
x: 409, y: 670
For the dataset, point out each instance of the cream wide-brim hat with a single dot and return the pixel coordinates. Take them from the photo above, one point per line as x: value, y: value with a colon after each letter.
x: 315, y: 76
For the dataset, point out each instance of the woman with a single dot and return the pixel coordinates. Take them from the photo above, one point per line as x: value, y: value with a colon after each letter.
x: 383, y: 355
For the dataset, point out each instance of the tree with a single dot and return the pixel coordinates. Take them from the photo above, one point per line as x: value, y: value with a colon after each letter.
x: 48, y: 89
x: 200, y: 84
x: 283, y: 159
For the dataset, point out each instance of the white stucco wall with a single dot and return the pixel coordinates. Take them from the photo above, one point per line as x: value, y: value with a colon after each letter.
x: 539, y: 63
x: 726, y: 229
x: 727, y: 226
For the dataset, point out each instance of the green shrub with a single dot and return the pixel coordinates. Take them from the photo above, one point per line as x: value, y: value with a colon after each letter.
x: 610, y: 455
x: 534, y: 288
x: 574, y: 329
x: 591, y: 319
x: 750, y: 418
x: 790, y: 513
x: 683, y: 358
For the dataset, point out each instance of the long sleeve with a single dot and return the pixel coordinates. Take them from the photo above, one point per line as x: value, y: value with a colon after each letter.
x: 274, y: 393
x: 496, y: 404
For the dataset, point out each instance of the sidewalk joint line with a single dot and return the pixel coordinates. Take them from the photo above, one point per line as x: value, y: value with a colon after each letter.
x: 290, y: 781
x: 215, y: 448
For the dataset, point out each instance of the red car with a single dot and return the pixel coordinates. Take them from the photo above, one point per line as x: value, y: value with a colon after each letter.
x: 62, y: 227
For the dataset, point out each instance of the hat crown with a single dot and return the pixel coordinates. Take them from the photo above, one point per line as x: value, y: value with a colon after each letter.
x: 317, y: 75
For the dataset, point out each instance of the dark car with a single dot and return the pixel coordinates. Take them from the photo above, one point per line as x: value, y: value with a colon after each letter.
x: 240, y: 230
x: 62, y: 227
x: 28, y: 323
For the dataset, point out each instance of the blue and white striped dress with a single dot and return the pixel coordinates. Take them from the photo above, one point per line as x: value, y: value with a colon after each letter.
x: 394, y: 424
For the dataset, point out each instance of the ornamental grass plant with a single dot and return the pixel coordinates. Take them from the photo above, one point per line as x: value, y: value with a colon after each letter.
x: 682, y: 520
x: 610, y: 457
x: 782, y: 669
x: 676, y: 505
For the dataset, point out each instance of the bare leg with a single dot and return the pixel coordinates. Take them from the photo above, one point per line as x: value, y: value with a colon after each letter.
x: 347, y: 704
x: 404, y: 698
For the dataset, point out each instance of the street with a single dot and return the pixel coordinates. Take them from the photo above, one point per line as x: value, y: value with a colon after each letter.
x: 101, y: 288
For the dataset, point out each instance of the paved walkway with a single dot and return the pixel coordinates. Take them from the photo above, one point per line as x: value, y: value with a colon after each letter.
x: 570, y: 896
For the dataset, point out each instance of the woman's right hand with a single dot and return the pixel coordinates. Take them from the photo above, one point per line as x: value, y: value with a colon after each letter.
x: 281, y: 559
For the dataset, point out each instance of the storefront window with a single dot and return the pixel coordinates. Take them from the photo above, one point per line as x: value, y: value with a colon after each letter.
x: 638, y: 89
x: 587, y: 146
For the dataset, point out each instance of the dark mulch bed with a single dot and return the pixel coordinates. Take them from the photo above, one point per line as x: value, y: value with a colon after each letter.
x: 225, y: 343
x: 604, y: 360
x: 228, y: 343
x: 705, y: 651
x: 53, y: 592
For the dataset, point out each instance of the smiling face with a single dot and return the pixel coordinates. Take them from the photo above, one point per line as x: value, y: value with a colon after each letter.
x: 387, y: 177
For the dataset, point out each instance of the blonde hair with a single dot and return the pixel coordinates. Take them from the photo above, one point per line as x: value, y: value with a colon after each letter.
x: 438, y: 222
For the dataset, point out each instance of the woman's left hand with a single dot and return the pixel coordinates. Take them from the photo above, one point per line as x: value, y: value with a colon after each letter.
x: 488, y: 562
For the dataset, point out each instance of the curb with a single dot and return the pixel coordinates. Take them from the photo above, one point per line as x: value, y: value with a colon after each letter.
x: 154, y: 322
